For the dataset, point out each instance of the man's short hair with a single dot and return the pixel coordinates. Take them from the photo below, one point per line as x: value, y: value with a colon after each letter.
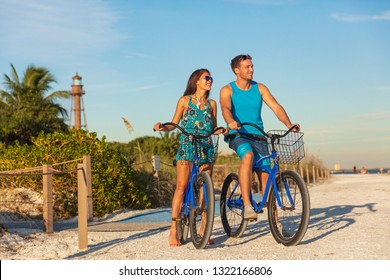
x: 237, y: 60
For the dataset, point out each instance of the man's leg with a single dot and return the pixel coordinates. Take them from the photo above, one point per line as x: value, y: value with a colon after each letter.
x: 245, y: 152
x: 245, y: 177
x: 263, y: 178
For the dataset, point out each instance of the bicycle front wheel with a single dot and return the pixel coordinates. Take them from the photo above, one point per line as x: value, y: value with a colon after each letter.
x: 202, y: 213
x: 232, y: 206
x: 289, y: 223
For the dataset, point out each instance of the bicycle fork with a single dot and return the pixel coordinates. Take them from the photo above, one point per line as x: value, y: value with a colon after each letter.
x: 283, y: 184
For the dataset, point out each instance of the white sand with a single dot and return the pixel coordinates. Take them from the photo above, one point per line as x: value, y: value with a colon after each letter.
x: 350, y: 220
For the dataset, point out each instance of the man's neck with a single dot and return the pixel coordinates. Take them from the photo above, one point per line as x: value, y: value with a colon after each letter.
x: 243, y: 84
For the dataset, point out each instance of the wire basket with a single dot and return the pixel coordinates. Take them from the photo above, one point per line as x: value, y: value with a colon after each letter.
x: 289, y: 149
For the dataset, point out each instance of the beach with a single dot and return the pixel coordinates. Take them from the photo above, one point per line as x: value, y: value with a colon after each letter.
x: 350, y: 217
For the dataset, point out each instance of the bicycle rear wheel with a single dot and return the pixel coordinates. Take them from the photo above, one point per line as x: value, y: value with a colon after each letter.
x: 183, y: 227
x: 232, y: 206
x: 202, y: 213
x: 289, y: 223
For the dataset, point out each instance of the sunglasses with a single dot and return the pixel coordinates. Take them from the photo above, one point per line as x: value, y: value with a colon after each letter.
x: 208, y: 78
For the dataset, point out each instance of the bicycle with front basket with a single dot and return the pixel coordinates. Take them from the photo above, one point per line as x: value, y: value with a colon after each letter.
x: 288, y: 203
x: 197, y: 210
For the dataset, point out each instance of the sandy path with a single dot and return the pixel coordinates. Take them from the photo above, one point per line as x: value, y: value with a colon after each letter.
x: 349, y: 221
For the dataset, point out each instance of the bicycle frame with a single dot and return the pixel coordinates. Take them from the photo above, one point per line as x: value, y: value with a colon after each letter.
x: 189, y: 199
x: 284, y: 192
x: 271, y: 179
x: 196, y: 202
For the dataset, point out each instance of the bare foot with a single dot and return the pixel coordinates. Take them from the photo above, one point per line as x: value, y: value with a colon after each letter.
x: 173, y: 240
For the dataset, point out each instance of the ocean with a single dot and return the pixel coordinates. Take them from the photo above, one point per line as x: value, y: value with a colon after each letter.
x: 359, y: 171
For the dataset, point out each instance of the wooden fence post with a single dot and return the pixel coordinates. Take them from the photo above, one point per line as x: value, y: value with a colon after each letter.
x: 47, y: 199
x: 88, y: 174
x: 314, y: 174
x: 156, y: 166
x: 82, y: 203
x: 307, y: 175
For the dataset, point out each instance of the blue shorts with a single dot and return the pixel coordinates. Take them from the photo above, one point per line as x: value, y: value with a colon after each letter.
x: 243, y: 145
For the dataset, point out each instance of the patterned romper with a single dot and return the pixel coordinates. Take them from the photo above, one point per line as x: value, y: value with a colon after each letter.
x: 196, y: 121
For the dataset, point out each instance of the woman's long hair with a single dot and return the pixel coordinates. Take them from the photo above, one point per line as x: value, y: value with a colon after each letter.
x: 191, y: 84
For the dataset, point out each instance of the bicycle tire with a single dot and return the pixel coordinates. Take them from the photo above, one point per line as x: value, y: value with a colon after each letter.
x: 183, y: 229
x: 202, y: 214
x: 231, y: 209
x: 288, y: 224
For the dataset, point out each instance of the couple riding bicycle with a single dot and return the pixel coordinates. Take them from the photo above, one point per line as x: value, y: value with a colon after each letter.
x: 241, y: 102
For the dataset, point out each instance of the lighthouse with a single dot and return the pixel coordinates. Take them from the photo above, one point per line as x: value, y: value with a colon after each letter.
x: 77, y: 105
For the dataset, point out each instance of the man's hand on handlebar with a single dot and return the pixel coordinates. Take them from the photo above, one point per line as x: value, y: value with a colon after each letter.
x: 296, y: 127
x: 234, y: 125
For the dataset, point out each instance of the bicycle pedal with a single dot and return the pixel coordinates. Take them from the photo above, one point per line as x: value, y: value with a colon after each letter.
x: 251, y: 219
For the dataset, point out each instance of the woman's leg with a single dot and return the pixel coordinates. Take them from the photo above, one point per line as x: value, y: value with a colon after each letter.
x: 183, y: 170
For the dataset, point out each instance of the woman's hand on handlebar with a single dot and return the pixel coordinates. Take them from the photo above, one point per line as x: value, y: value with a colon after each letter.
x: 219, y: 130
x: 226, y: 131
x: 158, y: 127
x: 168, y: 126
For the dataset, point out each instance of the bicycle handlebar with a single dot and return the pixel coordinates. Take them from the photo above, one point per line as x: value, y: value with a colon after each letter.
x: 191, y: 134
x: 269, y: 135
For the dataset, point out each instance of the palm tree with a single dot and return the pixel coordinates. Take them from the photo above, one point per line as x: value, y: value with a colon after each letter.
x: 26, y: 108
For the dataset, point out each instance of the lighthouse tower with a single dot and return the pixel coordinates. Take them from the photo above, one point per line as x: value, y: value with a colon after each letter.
x: 77, y: 105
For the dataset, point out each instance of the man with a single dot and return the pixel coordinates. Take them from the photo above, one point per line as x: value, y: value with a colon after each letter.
x: 241, y: 101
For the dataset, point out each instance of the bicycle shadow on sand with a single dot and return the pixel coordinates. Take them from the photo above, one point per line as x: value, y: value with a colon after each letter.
x: 253, y: 231
x: 329, y: 220
x: 324, y: 221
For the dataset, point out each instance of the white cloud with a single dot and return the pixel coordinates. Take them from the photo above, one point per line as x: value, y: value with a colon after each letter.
x: 385, y: 16
x: 57, y: 29
x: 377, y: 116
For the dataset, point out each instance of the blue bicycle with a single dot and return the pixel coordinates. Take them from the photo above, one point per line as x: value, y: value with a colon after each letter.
x: 288, y: 204
x: 197, y: 211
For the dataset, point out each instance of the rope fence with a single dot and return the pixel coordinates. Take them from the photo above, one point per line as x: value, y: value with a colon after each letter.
x: 84, y: 193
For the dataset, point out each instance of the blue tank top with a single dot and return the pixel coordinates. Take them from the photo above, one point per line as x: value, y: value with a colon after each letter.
x: 246, y: 107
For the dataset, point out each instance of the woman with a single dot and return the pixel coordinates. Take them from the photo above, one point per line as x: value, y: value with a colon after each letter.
x: 198, y: 114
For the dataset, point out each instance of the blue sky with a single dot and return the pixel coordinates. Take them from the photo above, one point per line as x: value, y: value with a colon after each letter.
x: 326, y: 62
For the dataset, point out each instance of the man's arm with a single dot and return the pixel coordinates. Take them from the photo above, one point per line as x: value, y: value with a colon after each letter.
x: 225, y: 100
x: 213, y: 105
x: 274, y: 106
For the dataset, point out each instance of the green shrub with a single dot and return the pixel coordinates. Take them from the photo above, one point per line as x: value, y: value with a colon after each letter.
x: 114, y: 181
